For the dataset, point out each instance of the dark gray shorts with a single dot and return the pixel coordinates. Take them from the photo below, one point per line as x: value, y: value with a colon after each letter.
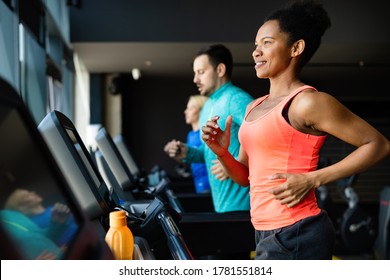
x: 312, y: 238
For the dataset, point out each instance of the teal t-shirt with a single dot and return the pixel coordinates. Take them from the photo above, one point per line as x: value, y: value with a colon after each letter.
x: 227, y: 100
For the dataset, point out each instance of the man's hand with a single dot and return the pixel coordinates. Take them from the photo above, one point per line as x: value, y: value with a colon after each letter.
x: 219, y: 171
x: 176, y: 149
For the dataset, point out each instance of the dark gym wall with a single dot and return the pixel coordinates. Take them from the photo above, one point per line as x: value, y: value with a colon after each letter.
x: 96, y: 85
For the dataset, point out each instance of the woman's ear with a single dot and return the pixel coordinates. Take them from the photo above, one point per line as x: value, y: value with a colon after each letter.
x: 221, y: 70
x: 298, y: 48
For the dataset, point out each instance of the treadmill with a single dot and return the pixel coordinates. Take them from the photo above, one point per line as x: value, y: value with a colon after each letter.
x: 98, y: 200
x: 205, y: 231
x: 27, y: 167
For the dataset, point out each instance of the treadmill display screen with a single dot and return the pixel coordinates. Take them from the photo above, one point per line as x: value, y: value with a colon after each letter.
x: 34, y: 212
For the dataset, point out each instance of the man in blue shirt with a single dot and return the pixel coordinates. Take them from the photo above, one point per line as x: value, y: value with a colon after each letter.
x: 213, y: 67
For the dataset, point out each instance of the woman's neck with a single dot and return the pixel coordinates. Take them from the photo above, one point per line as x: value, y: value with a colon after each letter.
x: 195, y: 126
x: 283, y: 87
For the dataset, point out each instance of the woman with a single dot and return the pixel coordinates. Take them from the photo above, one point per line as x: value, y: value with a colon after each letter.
x: 191, y: 114
x: 281, y: 137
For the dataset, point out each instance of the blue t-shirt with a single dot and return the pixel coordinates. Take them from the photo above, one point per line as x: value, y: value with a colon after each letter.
x: 198, y: 170
x: 43, y: 220
x: 227, y: 100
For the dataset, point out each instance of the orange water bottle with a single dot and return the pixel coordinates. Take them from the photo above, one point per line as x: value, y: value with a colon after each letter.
x: 119, y: 237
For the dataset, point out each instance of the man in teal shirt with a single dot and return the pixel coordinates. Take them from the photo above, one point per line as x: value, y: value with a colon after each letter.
x: 213, y: 67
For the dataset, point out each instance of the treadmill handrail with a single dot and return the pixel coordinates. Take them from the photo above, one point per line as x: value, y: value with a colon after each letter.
x: 173, y: 201
x: 176, y: 243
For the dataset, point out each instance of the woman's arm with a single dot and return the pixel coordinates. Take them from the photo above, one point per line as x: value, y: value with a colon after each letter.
x: 316, y: 113
x: 218, y: 141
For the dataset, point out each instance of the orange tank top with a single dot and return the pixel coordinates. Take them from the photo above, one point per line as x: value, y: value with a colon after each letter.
x: 274, y: 146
